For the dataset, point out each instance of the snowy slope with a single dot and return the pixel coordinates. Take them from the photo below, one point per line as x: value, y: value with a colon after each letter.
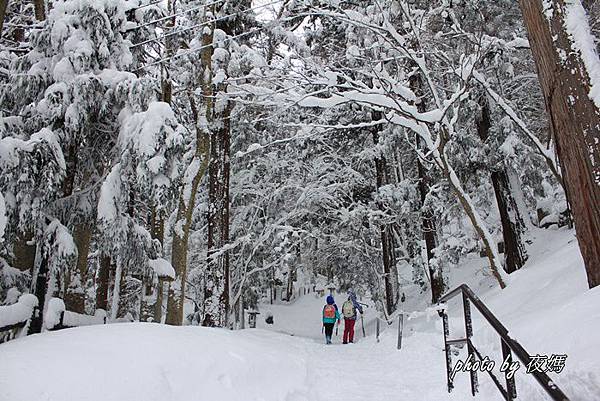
x: 547, y: 307
x: 142, y: 361
x: 146, y: 362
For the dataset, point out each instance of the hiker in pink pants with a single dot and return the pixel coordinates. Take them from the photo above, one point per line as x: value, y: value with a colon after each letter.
x: 349, y: 311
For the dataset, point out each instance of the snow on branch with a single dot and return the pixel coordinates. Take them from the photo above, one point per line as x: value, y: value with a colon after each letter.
x: 162, y: 268
x: 503, y: 104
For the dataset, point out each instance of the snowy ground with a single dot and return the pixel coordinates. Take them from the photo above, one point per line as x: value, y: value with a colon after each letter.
x: 546, y: 307
x: 151, y: 362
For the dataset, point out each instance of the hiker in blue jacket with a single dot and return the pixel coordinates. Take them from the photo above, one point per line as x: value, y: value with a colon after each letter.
x: 330, y: 317
x: 349, y: 309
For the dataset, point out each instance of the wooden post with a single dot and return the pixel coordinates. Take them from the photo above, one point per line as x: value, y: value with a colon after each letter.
x: 400, y: 328
x: 377, y: 330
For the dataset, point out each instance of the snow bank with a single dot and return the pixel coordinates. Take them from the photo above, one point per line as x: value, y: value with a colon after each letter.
x: 19, y: 312
x: 547, y: 308
x: 147, y: 362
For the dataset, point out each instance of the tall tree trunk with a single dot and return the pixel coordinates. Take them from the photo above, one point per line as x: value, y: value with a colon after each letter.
x: 40, y: 10
x: 170, y: 48
x: 123, y: 288
x: 513, y: 227
x: 491, y: 250
x: 157, y: 224
x: 39, y: 289
x: 74, y: 295
x: 390, y: 278
x: 438, y: 286
x: 3, y: 7
x: 290, y: 282
x: 46, y: 282
x: 157, y: 230
x: 273, y: 289
x: 75, y: 282
x: 118, y: 282
x: 216, y: 293
x: 574, y: 114
x: 103, y: 282
x: 24, y: 249
x: 387, y: 237
x: 187, y: 196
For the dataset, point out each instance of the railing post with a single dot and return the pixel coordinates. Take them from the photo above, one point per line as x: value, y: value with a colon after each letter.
x: 469, y: 334
x: 444, y: 317
x: 511, y: 388
x: 34, y: 314
x: 400, y: 328
x: 377, y: 330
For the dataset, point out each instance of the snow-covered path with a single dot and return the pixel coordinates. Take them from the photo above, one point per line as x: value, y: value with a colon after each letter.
x: 546, y: 305
x: 286, y: 361
x: 366, y: 370
x: 370, y: 371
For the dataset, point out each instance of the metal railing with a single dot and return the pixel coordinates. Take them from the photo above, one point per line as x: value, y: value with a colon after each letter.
x: 63, y: 323
x: 389, y: 322
x: 509, y: 346
x: 11, y: 332
x: 17, y: 322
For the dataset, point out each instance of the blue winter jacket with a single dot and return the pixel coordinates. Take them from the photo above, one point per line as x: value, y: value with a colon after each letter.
x: 330, y: 301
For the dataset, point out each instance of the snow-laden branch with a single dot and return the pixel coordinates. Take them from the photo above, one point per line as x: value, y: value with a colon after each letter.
x: 510, y: 112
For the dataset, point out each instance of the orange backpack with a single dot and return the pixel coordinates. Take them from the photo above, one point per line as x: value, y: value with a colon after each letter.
x: 329, y: 312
